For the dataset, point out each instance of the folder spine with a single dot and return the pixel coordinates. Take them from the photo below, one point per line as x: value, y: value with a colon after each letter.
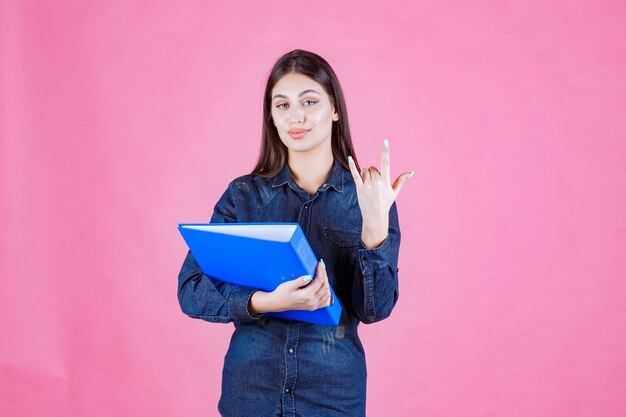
x: 304, y: 251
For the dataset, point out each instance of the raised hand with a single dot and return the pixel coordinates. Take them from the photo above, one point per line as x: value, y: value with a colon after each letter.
x: 376, y: 194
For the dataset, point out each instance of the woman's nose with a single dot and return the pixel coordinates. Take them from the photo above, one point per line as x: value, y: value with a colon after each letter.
x: 297, y: 115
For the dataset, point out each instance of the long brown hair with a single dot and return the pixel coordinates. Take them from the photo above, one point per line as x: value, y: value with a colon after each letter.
x: 273, y: 153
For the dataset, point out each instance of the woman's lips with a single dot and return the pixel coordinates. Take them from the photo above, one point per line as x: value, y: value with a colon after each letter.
x: 298, y: 133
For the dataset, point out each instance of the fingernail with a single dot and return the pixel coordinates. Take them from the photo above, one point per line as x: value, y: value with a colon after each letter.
x: 307, y: 278
x: 350, y: 161
x: 386, y: 143
x: 322, y: 262
x: 411, y: 174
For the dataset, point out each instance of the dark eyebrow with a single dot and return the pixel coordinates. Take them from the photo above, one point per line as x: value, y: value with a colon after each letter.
x: 299, y: 95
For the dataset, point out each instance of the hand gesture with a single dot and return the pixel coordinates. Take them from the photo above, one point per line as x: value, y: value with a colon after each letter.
x: 376, y: 193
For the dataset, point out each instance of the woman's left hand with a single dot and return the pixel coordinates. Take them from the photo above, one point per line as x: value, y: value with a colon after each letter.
x: 376, y: 194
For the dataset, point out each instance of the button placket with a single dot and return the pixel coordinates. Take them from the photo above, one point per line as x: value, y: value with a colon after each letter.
x: 304, y: 219
x: 293, y: 335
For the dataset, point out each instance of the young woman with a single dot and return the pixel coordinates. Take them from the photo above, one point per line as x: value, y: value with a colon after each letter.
x: 307, y: 173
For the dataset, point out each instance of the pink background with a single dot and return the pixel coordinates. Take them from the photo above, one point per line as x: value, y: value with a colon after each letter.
x: 120, y: 119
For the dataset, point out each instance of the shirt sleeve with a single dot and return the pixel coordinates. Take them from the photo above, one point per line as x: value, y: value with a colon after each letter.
x: 204, y: 297
x: 375, y: 288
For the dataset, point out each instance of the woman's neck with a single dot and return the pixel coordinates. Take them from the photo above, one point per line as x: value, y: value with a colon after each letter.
x: 310, y: 171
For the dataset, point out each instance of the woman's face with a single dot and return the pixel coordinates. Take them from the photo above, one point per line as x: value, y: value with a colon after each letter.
x: 300, y: 103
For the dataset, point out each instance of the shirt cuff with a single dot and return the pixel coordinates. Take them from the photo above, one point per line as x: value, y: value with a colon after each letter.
x: 238, y: 300
x: 376, y: 258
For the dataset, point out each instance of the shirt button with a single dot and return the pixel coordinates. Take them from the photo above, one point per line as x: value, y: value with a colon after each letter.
x: 287, y: 390
x: 290, y: 350
x: 306, y: 207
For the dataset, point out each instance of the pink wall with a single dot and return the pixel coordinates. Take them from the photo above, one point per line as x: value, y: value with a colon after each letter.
x: 120, y: 119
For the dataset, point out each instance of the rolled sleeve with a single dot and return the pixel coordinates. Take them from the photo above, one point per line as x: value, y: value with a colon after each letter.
x: 238, y: 303
x: 376, y: 258
x: 203, y: 297
x: 375, y: 290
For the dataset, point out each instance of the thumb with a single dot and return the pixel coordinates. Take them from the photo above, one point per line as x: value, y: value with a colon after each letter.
x: 304, y: 279
x: 397, y: 185
x: 299, y: 282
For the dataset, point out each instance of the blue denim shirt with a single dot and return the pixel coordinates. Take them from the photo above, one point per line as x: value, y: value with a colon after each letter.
x: 277, y: 367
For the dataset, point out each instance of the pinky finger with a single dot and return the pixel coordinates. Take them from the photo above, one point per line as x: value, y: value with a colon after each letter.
x: 355, y: 172
x: 326, y: 301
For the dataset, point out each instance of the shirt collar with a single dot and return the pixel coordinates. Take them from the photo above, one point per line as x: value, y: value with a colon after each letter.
x: 335, y: 179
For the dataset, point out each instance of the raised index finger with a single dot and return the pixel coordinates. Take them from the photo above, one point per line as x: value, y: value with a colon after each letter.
x: 385, y: 164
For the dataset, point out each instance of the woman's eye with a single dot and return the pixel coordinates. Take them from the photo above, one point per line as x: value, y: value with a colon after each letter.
x: 279, y: 106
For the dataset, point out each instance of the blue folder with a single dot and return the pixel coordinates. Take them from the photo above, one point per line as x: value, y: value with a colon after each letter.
x: 258, y: 255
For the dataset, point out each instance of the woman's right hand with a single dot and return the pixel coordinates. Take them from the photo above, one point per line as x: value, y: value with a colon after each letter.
x: 296, y: 294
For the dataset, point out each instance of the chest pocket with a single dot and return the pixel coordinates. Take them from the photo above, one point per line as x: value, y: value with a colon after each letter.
x: 340, y: 250
x: 342, y: 238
